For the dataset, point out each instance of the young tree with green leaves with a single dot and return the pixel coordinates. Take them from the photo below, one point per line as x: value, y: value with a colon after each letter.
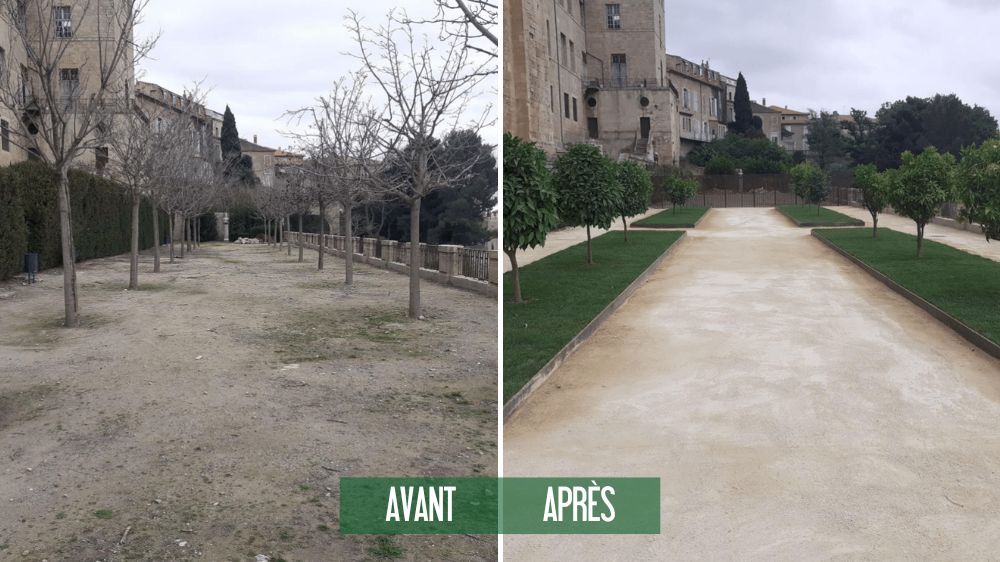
x: 979, y: 186
x: 529, y: 203
x: 925, y: 182
x: 636, y: 188
x: 588, y: 189
x: 680, y: 190
x: 811, y: 183
x: 874, y: 188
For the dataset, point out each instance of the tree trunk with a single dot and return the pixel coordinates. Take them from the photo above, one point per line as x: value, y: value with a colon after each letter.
x: 133, y: 269
x: 920, y: 240
x: 348, y: 246
x: 301, y: 236
x: 415, y: 258
x: 156, y: 239
x: 68, y: 252
x: 173, y: 230
x: 184, y: 235
x: 590, y: 251
x: 288, y: 239
x: 515, y: 275
x: 625, y: 224
x: 874, y: 224
x: 197, y: 232
x: 322, y: 222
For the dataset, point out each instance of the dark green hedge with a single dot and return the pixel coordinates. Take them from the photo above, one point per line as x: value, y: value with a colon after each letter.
x: 102, y: 214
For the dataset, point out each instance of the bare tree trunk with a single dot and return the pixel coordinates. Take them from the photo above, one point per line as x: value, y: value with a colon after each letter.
x: 515, y: 274
x: 322, y: 222
x: 590, y: 251
x: 156, y: 239
x: 68, y: 252
x: 415, y: 258
x: 184, y: 235
x: 288, y: 239
x: 133, y: 270
x: 348, y: 245
x: 301, y: 242
x: 197, y: 232
x: 173, y: 231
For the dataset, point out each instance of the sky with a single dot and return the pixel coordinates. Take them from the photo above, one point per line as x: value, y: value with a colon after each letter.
x: 837, y: 54
x: 262, y: 58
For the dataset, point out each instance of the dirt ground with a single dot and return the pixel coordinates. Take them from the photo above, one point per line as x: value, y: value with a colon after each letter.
x: 212, y: 413
x: 793, y: 407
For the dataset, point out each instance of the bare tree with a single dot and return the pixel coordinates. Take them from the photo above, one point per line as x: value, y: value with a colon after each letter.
x: 342, y: 142
x: 79, y: 60
x: 472, y: 22
x: 427, y: 89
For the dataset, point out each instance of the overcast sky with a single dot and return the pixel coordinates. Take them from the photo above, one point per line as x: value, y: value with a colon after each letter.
x: 838, y: 54
x: 260, y: 58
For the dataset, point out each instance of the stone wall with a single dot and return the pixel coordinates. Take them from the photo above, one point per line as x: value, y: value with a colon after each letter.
x: 465, y: 268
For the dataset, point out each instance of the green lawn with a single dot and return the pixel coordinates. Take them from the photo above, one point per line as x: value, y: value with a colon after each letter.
x: 964, y: 285
x: 806, y: 215
x: 563, y: 294
x: 682, y: 217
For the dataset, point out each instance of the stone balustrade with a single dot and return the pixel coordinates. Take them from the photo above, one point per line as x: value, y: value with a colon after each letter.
x: 458, y: 266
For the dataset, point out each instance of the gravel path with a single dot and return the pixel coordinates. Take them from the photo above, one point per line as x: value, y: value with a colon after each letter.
x: 794, y: 408
x: 213, y: 413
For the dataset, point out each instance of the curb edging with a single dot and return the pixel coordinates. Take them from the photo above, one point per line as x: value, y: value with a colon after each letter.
x: 515, y: 402
x: 673, y: 226
x: 982, y: 342
x: 854, y: 222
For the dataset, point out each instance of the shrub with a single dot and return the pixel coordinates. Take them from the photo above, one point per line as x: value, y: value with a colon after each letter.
x: 13, y: 234
x: 636, y: 189
x: 811, y: 183
x: 720, y: 165
x: 680, y: 190
x: 101, y: 214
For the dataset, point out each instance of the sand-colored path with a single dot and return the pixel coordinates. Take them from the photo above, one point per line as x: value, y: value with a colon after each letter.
x: 794, y: 408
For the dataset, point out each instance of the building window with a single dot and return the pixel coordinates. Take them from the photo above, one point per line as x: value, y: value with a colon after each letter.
x: 619, y: 70
x: 572, y: 56
x: 592, y: 127
x: 25, y: 85
x: 566, y: 104
x: 562, y: 45
x: 69, y: 82
x: 614, y: 12
x: 64, y: 21
x: 686, y: 124
x: 5, y: 135
x: 552, y: 99
x: 574, y: 109
x: 101, y: 158
x: 548, y: 36
x: 3, y: 64
x: 686, y: 98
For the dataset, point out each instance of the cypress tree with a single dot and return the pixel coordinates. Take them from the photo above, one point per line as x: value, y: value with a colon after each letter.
x: 230, y: 138
x: 743, y: 123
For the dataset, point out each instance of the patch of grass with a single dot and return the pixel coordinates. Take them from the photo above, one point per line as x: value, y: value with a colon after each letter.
x: 61, y: 515
x: 964, y: 285
x: 563, y: 294
x: 23, y: 405
x: 285, y: 535
x: 104, y: 514
x: 320, y: 285
x: 385, y: 547
x: 316, y: 335
x: 811, y: 215
x: 680, y: 217
x: 323, y: 528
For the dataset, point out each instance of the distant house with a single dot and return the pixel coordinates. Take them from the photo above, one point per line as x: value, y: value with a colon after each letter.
x: 263, y: 160
x: 788, y: 128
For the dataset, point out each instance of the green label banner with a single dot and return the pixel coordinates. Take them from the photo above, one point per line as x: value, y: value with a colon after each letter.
x: 483, y: 506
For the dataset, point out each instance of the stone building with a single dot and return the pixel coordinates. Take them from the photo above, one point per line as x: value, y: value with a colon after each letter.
x: 590, y: 72
x: 702, y: 105
x: 263, y: 160
x: 83, y: 27
x: 788, y: 128
x: 157, y: 102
